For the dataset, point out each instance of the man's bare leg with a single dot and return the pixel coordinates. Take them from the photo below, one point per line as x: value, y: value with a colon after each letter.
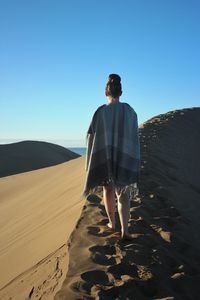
x: 123, y: 205
x: 109, y: 202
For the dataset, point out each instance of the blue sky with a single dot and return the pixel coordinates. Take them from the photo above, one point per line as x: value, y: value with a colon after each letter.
x: 55, y: 57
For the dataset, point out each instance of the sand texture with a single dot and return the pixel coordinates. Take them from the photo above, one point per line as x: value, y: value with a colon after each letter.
x: 38, y: 211
x: 163, y: 259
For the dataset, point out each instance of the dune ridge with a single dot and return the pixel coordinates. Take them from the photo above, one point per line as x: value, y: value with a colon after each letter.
x: 162, y: 261
x: 26, y: 156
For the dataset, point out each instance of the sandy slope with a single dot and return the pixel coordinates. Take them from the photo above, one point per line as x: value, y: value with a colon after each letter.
x: 163, y: 259
x: 38, y: 211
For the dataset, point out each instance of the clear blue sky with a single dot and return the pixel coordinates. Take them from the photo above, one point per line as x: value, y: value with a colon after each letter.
x: 55, y: 57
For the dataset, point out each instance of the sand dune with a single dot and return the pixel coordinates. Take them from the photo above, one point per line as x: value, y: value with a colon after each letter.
x: 163, y: 260
x: 38, y: 211
x: 26, y: 156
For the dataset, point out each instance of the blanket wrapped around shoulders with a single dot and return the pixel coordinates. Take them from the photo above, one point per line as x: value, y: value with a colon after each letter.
x: 113, y: 148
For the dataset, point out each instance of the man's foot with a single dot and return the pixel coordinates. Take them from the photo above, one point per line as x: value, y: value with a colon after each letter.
x: 109, y: 225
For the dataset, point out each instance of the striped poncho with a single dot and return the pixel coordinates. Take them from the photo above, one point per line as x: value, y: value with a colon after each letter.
x: 113, y: 148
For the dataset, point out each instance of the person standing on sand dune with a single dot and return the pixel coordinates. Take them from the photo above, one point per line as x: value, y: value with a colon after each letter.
x: 113, y: 155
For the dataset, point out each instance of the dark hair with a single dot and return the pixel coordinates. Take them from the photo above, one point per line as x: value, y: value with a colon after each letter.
x: 113, y: 86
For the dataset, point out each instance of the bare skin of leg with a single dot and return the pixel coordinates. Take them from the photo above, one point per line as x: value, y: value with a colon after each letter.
x: 123, y: 205
x: 109, y: 202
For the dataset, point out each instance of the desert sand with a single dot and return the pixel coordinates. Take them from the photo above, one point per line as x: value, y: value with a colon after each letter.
x: 55, y: 245
x: 38, y: 211
x: 163, y: 259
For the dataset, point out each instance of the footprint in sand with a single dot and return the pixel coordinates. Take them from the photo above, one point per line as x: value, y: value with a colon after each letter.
x: 100, y: 231
x: 103, y: 255
x: 95, y: 277
x: 123, y: 269
x: 165, y: 235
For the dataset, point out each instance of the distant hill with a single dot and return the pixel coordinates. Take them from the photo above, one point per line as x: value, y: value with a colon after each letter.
x: 31, y: 155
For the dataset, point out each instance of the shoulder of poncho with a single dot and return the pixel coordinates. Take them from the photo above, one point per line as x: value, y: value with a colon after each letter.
x: 98, y: 109
x: 129, y: 107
